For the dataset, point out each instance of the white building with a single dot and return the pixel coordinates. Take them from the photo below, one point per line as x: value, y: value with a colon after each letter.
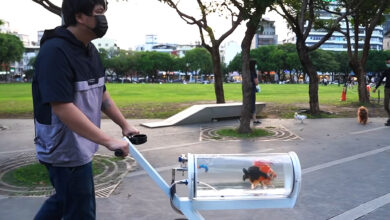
x: 151, y: 44
x: 386, y: 30
x: 338, y: 42
x: 31, y: 50
x: 5, y: 27
x: 266, y: 35
x: 291, y: 38
x: 386, y: 41
x: 105, y: 43
x: 231, y: 49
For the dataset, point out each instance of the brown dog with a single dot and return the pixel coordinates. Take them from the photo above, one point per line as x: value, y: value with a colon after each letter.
x: 362, y: 115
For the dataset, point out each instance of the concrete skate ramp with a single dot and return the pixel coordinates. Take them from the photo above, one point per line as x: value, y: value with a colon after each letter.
x: 203, y: 113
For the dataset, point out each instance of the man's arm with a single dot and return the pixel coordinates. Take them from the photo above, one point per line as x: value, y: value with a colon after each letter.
x: 112, y: 111
x: 380, y: 81
x: 76, y: 121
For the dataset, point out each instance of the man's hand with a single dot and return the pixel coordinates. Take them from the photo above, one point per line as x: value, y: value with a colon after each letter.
x: 129, y: 130
x: 374, y: 90
x: 116, y: 144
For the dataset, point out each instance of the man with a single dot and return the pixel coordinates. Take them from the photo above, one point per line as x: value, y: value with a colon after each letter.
x: 386, y: 74
x: 255, y: 89
x: 69, y: 95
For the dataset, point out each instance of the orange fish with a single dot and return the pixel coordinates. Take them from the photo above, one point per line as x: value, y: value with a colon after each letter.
x: 260, y: 173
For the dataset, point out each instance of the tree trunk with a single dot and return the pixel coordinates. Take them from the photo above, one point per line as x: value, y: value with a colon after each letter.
x: 246, y: 113
x: 361, y: 76
x: 309, y: 68
x: 218, y: 81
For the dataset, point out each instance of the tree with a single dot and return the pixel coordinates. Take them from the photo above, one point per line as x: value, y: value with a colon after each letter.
x: 302, y: 17
x: 11, y: 49
x: 150, y: 63
x: 375, y: 61
x: 120, y: 64
x: 252, y: 12
x: 343, y: 65
x: 199, y: 60
x: 262, y: 55
x: 235, y: 64
x: 48, y: 5
x: 367, y: 16
x: 213, y: 43
x: 29, y: 73
x: 324, y: 60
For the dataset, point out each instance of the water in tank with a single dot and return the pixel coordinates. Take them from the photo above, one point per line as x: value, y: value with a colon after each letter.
x: 243, y: 176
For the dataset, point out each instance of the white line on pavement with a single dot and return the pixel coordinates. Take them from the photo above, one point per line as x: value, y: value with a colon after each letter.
x: 368, y: 130
x: 364, y: 208
x: 344, y: 160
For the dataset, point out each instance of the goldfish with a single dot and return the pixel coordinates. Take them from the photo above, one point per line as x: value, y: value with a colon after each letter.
x: 260, y: 173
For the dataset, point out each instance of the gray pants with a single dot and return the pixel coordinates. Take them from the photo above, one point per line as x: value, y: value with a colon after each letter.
x: 386, y: 102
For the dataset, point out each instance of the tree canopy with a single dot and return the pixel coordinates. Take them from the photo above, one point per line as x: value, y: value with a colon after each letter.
x: 199, y: 60
x: 11, y: 48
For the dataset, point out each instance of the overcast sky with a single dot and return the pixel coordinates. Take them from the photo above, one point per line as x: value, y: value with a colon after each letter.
x: 128, y: 22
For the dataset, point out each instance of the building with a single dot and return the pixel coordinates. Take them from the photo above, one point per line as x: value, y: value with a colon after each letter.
x: 151, y: 44
x: 386, y: 25
x: 231, y: 49
x: 31, y: 49
x: 266, y: 35
x: 386, y: 41
x: 338, y: 42
x: 386, y: 30
x: 105, y: 43
x: 5, y: 28
x: 291, y: 38
x: 40, y: 35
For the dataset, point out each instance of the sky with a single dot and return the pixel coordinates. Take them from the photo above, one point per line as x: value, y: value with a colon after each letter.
x: 129, y: 21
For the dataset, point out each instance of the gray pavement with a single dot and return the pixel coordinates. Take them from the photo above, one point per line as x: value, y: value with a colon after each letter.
x: 345, y: 169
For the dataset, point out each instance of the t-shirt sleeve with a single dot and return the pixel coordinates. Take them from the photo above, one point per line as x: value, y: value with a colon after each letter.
x: 55, y: 77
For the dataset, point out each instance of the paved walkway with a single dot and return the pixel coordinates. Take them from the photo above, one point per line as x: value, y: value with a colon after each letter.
x: 345, y: 169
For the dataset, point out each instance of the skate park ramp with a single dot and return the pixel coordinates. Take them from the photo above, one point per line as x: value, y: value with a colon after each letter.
x: 203, y: 113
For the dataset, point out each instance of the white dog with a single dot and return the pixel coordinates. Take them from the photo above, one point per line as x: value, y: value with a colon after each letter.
x: 299, y: 117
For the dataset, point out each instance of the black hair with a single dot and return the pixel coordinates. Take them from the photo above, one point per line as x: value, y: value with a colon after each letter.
x: 252, y: 65
x: 388, y: 58
x: 71, y: 7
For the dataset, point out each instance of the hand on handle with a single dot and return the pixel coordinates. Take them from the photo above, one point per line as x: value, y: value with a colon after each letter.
x: 121, y: 147
x: 135, y: 139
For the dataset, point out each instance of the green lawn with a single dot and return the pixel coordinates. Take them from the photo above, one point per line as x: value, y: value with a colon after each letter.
x: 164, y: 100
x: 256, y: 132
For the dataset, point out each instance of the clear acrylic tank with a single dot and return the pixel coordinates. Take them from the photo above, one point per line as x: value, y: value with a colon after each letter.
x: 235, y: 176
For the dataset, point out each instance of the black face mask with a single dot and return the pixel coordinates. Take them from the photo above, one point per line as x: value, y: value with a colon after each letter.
x: 101, y: 25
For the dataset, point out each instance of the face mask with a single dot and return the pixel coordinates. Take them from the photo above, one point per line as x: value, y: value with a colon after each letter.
x: 388, y: 65
x: 101, y: 25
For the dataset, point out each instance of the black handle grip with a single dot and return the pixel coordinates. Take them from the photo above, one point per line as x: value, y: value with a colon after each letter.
x: 134, y: 139
x: 118, y: 153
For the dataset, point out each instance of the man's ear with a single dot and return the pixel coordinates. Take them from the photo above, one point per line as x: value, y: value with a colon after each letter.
x: 79, y: 17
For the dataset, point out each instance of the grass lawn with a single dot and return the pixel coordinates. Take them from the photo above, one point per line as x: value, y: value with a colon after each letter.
x: 256, y: 132
x: 36, y: 174
x: 164, y: 100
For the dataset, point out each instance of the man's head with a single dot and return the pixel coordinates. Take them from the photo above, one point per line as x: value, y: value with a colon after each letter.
x: 388, y: 62
x: 88, y: 13
x: 252, y: 65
